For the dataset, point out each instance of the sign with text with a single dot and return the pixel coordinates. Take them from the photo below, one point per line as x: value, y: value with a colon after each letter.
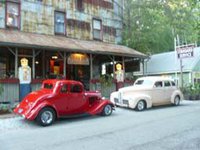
x: 185, y: 51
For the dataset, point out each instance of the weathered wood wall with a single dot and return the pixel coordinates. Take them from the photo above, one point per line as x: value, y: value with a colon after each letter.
x: 38, y: 17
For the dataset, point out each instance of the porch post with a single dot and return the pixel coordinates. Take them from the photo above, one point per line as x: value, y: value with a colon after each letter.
x: 33, y: 64
x: 64, y: 65
x: 113, y: 60
x: 43, y: 64
x: 143, y: 67
x: 91, y: 66
x: 16, y: 62
x: 123, y: 66
x: 91, y: 69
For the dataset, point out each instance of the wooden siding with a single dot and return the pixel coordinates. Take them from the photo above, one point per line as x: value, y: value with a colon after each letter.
x: 38, y: 17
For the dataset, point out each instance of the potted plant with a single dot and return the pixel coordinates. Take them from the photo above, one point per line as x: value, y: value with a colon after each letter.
x: 186, y: 92
x: 197, y: 91
x: 106, y: 84
x: 191, y: 92
x: 1, y: 89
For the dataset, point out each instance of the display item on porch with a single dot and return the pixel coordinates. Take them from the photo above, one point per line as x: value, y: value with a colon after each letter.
x: 24, y: 78
x: 119, y: 76
x: 119, y: 73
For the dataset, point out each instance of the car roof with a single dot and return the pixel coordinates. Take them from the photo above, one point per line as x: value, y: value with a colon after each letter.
x: 54, y: 81
x: 155, y: 78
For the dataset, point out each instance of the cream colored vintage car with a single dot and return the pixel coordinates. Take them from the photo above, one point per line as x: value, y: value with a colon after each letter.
x: 147, y: 92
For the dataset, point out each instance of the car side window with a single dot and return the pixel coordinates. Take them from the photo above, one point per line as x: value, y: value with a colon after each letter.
x: 75, y: 88
x: 158, y: 84
x: 173, y: 83
x: 167, y: 83
x: 64, y: 89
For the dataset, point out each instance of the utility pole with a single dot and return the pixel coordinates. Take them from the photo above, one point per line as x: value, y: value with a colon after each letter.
x: 181, y: 62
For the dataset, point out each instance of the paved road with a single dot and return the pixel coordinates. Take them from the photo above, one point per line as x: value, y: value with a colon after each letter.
x: 160, y: 128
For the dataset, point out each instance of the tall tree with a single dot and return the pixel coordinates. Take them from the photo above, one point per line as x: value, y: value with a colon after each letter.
x: 151, y: 25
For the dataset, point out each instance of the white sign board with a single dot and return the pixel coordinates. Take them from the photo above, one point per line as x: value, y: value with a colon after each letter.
x: 185, y: 51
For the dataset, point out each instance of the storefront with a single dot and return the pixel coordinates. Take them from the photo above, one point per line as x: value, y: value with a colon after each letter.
x: 59, y: 57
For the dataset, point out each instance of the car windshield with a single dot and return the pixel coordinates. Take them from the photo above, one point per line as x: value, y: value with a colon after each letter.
x: 48, y: 86
x: 143, y: 82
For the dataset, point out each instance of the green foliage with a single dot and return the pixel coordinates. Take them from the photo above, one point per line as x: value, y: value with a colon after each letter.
x: 106, y: 80
x: 150, y: 26
x: 192, y: 89
x: 1, y: 89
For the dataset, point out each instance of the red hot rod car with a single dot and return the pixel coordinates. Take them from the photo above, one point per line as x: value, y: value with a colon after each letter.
x: 62, y: 98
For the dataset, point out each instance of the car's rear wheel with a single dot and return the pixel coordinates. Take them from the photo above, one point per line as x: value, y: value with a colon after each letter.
x: 46, y: 116
x: 107, y: 110
x: 176, y: 101
x: 141, y: 105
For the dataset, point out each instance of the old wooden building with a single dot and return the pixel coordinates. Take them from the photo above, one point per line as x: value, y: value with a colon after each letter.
x: 72, y: 39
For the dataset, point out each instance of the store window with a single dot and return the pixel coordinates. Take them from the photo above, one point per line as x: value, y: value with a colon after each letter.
x: 12, y: 14
x: 97, y: 29
x: 79, y: 5
x: 60, y: 23
x: 7, y: 64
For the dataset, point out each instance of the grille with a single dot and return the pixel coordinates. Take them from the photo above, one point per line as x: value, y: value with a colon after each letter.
x: 125, y: 102
x: 116, y: 100
x: 120, y: 96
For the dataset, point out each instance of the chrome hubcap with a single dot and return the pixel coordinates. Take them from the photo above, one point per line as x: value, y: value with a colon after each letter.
x: 108, y: 110
x: 47, y: 117
x: 141, y: 105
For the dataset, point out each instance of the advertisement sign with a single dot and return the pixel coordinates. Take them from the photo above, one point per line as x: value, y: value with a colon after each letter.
x: 78, y: 59
x: 185, y: 51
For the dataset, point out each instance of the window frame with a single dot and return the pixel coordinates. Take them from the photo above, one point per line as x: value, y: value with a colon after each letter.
x: 65, y: 21
x: 79, y: 5
x: 156, y: 85
x: 101, y: 29
x: 67, y: 90
x: 18, y: 17
x: 72, y: 88
x: 173, y: 83
x: 165, y: 83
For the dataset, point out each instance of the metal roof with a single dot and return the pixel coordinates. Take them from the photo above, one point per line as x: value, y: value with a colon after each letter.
x: 169, y: 63
x: 51, y: 42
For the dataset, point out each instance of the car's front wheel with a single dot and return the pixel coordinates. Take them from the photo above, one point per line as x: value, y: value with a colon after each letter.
x: 107, y: 110
x: 140, y: 105
x: 177, y: 101
x: 46, y: 116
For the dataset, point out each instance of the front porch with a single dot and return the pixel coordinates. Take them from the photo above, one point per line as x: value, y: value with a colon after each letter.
x: 61, y: 57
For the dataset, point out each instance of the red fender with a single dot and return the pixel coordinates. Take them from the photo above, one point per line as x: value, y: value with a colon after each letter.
x: 32, y: 114
x: 98, y: 108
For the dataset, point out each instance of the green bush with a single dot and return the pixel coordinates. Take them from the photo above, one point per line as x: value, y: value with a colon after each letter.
x: 106, y: 80
x: 1, y: 89
x: 192, y: 91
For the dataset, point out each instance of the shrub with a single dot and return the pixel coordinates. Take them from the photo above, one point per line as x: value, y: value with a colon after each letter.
x: 1, y: 89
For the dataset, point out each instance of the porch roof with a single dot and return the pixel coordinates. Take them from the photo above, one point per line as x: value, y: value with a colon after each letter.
x: 51, y: 42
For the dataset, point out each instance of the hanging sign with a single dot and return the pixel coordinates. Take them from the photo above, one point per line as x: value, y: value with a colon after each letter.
x: 78, y: 59
x: 185, y: 51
